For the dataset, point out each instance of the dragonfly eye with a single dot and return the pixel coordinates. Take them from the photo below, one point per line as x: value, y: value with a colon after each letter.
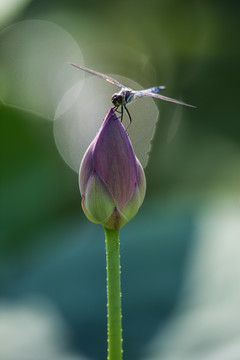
x: 117, y: 100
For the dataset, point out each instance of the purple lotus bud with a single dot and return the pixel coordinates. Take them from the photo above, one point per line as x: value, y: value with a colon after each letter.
x: 112, y: 180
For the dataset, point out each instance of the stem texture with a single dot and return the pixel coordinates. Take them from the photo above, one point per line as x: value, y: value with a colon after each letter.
x: 113, y: 295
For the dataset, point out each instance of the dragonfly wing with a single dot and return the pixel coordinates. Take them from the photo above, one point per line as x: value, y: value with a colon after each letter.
x: 161, y: 97
x: 100, y: 75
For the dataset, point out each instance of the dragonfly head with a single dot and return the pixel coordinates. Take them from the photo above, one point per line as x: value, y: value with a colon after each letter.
x: 118, y: 99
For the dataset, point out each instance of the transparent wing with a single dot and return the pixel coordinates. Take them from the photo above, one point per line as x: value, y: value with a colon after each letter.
x: 161, y: 97
x: 100, y: 75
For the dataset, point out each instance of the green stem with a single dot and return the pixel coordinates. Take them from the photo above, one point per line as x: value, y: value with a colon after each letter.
x: 113, y: 295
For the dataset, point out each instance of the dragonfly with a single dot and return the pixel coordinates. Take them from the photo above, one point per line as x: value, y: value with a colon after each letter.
x: 127, y: 95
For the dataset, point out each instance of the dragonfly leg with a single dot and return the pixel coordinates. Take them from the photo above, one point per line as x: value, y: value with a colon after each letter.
x: 119, y: 112
x: 130, y: 119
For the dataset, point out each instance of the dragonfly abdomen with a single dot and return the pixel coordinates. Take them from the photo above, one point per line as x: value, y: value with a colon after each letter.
x: 155, y: 89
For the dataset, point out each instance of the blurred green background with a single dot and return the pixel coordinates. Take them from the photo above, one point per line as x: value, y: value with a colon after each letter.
x: 52, y: 258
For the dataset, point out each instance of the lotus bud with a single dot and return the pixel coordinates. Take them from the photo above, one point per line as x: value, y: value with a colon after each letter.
x: 112, y: 180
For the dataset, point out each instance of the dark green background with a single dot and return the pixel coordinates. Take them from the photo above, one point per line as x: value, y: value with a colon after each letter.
x: 48, y: 247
